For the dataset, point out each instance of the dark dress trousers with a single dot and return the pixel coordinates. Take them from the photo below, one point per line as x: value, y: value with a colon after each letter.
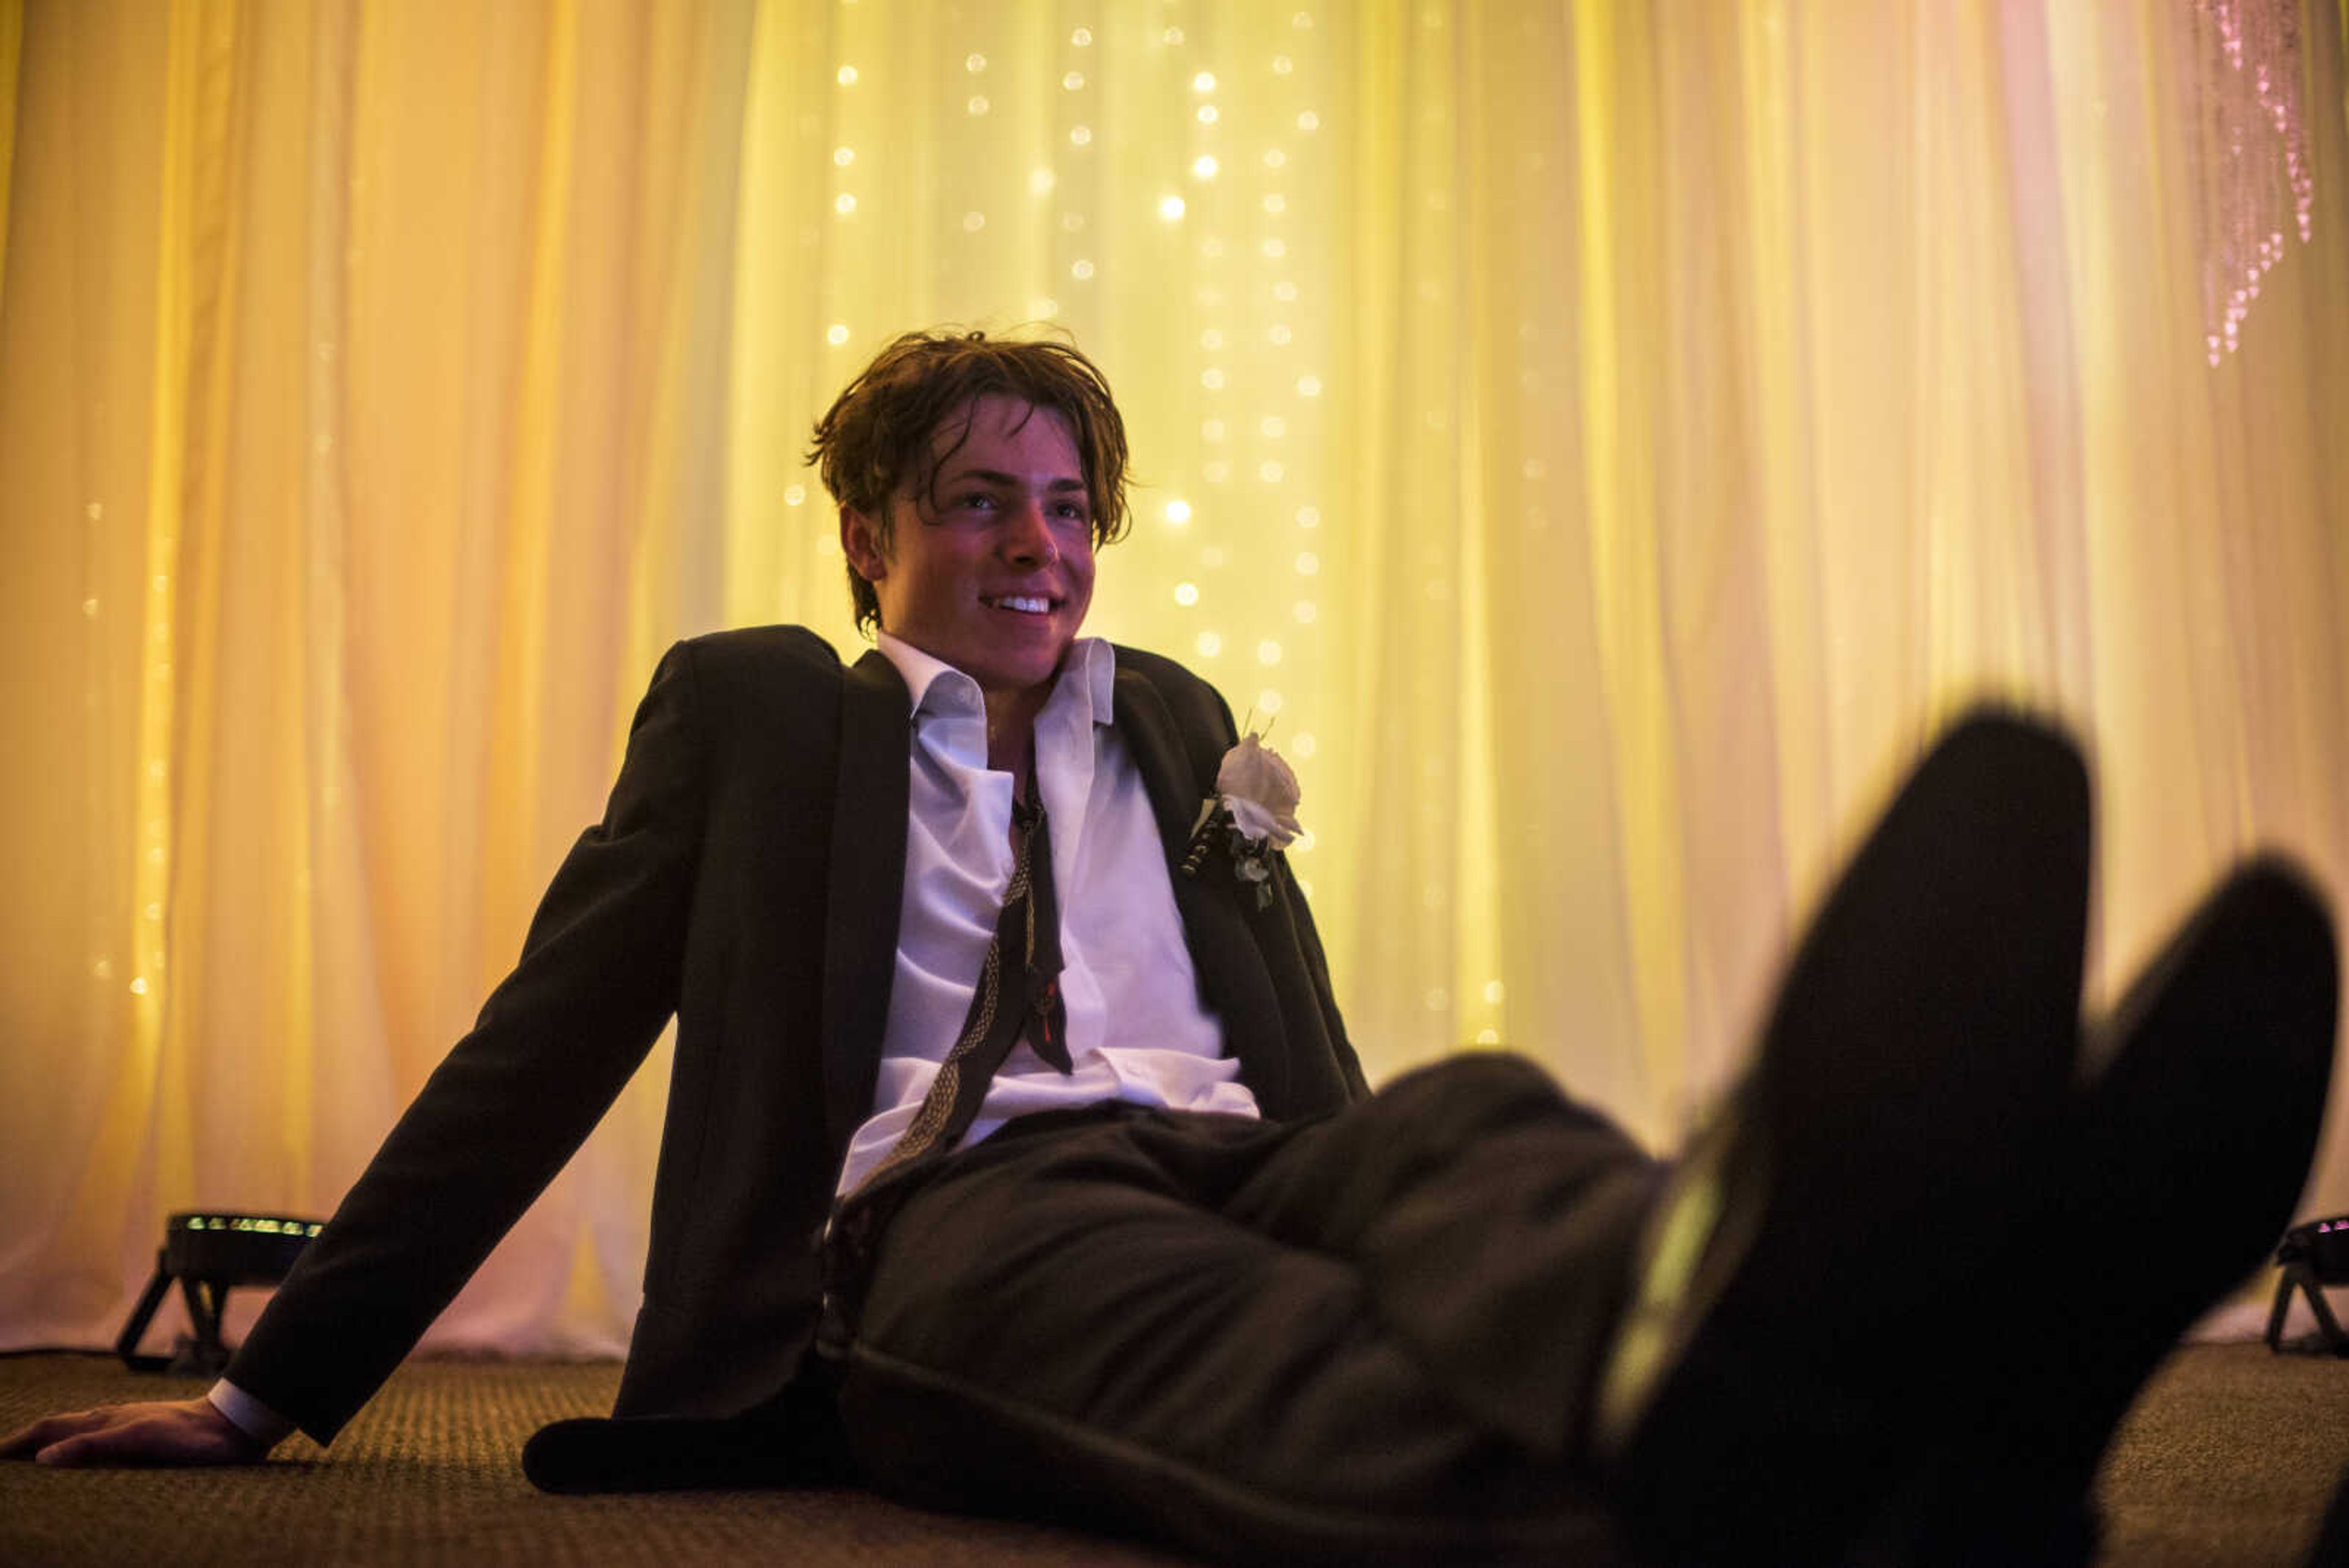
x: 746, y: 878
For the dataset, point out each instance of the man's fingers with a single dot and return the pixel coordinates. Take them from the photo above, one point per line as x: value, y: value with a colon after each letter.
x: 140, y: 1443
x: 67, y: 1452
x: 26, y: 1442
x: 97, y: 1437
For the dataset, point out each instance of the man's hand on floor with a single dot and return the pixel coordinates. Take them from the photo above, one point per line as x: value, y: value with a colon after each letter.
x: 162, y: 1432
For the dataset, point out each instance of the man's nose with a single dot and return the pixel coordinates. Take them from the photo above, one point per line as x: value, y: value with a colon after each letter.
x: 1027, y: 536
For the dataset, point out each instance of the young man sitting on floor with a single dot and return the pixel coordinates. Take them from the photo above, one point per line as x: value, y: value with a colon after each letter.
x: 1017, y: 1160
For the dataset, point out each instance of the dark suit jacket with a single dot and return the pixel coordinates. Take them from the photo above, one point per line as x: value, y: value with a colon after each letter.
x: 746, y: 877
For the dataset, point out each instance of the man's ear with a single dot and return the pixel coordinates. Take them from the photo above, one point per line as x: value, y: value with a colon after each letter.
x: 862, y: 545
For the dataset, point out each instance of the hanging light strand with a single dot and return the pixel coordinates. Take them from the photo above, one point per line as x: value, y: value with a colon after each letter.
x: 2250, y: 121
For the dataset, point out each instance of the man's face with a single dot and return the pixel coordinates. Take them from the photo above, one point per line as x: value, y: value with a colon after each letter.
x: 993, y: 570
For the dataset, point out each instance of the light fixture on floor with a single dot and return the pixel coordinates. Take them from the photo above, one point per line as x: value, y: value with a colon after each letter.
x: 2312, y: 1256
x: 208, y: 1254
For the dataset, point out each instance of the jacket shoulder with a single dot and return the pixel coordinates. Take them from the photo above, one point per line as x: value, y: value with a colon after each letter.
x: 747, y: 676
x: 762, y: 648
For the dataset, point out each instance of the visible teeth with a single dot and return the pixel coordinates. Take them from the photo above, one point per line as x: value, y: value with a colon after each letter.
x: 1032, y: 606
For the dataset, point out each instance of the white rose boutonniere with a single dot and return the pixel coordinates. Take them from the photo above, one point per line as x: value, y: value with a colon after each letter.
x: 1253, y: 813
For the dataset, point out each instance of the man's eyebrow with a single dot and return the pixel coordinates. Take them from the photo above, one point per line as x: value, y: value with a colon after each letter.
x: 997, y: 476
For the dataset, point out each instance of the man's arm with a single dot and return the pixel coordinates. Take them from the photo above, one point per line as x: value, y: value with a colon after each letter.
x: 514, y: 1100
x: 554, y: 1045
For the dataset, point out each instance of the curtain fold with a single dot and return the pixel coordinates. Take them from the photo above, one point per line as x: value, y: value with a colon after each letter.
x: 1599, y: 443
x: 12, y: 45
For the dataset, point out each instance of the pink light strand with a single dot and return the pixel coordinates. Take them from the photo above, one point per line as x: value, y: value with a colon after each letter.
x: 2248, y: 110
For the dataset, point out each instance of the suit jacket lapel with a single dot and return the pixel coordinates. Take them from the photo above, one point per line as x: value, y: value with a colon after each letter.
x: 868, y: 872
x: 1224, y: 950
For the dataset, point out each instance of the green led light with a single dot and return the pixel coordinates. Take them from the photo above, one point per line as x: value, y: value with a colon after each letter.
x: 252, y: 1224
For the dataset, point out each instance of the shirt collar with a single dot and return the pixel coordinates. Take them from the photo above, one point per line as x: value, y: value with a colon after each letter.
x: 1088, y: 679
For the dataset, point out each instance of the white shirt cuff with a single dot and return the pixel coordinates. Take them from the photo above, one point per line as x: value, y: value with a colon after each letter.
x: 249, y: 1414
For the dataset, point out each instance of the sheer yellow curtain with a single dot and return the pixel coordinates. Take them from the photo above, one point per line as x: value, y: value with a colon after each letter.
x: 1599, y: 441
x: 361, y: 392
x: 1862, y: 365
x: 1776, y: 379
x: 1736, y: 391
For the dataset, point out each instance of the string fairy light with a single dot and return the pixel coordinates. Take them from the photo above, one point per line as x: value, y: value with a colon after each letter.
x: 1213, y: 177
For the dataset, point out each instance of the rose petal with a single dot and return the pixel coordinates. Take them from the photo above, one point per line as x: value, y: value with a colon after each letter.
x: 1258, y: 821
x: 1254, y: 771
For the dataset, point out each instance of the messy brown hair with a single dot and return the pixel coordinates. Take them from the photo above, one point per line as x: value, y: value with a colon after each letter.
x: 876, y: 441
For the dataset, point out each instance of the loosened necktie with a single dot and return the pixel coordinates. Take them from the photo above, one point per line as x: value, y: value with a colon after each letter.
x: 1003, y: 1007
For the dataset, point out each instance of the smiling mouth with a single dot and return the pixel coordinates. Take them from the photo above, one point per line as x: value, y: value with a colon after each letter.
x: 1022, y: 604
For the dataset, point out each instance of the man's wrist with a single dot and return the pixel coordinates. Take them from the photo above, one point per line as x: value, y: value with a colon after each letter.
x: 248, y: 1415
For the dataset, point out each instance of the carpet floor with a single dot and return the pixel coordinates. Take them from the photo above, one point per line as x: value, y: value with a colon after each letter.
x: 2227, y: 1462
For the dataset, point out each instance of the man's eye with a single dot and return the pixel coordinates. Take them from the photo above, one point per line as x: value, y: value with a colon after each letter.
x: 978, y: 501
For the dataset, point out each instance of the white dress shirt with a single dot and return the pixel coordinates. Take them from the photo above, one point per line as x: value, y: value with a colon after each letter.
x: 1137, y: 1028
x: 1123, y: 954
